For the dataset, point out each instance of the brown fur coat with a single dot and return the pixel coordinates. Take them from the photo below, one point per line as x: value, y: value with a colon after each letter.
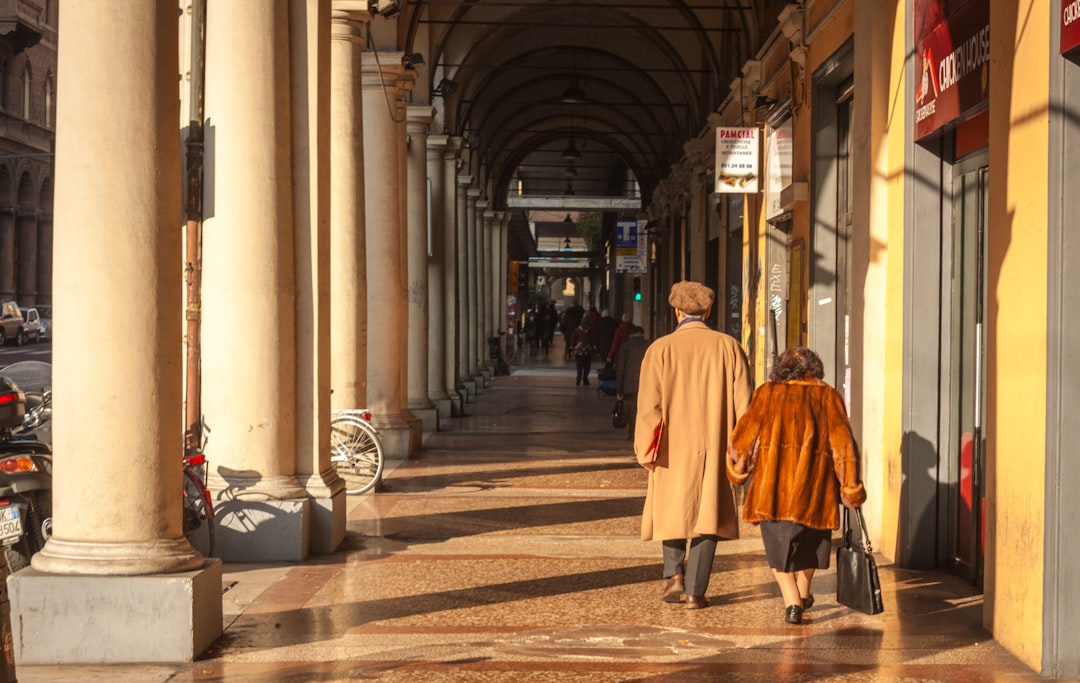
x: 795, y: 446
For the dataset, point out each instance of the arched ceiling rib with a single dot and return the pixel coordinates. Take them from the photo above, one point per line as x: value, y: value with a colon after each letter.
x: 651, y: 71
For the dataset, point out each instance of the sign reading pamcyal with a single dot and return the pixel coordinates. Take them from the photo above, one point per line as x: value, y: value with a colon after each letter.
x: 737, y: 159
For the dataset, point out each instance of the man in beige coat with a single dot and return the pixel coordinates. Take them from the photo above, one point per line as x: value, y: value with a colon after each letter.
x: 697, y: 382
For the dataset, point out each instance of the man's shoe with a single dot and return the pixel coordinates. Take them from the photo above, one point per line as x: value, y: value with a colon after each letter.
x: 695, y: 601
x: 793, y: 614
x: 673, y: 589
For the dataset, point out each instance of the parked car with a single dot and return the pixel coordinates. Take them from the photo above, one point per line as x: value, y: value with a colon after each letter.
x: 32, y: 324
x: 12, y: 324
x: 45, y: 311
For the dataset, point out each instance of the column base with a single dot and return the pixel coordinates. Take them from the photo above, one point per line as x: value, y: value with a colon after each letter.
x: 456, y: 402
x: 444, y: 409
x: 71, y: 619
x: 263, y: 530
x: 429, y: 419
x: 328, y: 510
x: 469, y: 387
x: 401, y: 442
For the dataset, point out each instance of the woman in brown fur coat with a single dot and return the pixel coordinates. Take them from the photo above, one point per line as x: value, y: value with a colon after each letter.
x: 795, y: 446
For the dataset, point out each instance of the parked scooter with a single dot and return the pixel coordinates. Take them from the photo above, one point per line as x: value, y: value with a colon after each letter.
x: 25, y: 461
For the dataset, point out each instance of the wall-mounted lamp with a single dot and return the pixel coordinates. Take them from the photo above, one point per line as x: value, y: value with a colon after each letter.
x: 446, y: 88
x: 762, y: 101
x: 570, y: 171
x: 568, y: 220
x: 386, y: 8
x: 566, y: 244
x: 412, y: 59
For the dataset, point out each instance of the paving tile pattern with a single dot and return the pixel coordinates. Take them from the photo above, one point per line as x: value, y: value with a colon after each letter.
x: 508, y: 550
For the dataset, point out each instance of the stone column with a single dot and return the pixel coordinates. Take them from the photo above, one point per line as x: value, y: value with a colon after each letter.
x: 348, y: 265
x: 117, y: 490
x: 451, y: 305
x: 487, y: 301
x: 26, y: 259
x: 472, y: 245
x: 7, y: 252
x: 310, y: 91
x: 465, y: 377
x: 249, y: 329
x: 698, y: 228
x: 498, y: 280
x: 436, y: 279
x: 44, y: 259
x: 387, y: 298
x: 419, y: 402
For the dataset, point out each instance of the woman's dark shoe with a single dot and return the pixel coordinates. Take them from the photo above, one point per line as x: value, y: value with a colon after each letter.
x: 807, y: 603
x: 793, y: 615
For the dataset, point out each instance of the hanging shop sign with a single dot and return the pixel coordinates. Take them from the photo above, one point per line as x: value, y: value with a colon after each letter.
x: 953, y: 68
x: 1070, y: 25
x: 737, y: 160
x: 631, y: 247
x: 777, y: 169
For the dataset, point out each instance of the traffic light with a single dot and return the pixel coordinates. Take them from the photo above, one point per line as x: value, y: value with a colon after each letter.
x: 637, y: 289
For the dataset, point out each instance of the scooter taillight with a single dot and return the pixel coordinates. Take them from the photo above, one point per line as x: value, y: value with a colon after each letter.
x: 17, y: 463
x: 193, y: 460
x: 12, y: 397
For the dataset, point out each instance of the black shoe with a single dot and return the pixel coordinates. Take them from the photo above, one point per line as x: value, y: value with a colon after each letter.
x: 807, y: 603
x: 793, y: 615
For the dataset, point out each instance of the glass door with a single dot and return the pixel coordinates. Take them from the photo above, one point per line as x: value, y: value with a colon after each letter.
x: 967, y: 346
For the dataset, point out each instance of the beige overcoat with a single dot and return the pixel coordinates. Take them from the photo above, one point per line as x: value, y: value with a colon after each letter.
x: 698, y: 382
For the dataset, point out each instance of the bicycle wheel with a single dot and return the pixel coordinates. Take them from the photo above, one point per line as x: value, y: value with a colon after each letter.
x: 357, y: 453
x: 198, y: 514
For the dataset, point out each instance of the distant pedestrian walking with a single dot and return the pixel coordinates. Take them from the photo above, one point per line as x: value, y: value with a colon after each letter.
x: 583, y: 343
x: 627, y: 373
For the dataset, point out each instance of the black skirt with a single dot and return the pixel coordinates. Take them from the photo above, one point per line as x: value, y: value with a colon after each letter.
x: 792, y: 547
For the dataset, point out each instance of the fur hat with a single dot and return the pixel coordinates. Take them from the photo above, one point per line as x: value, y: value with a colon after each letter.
x: 692, y: 298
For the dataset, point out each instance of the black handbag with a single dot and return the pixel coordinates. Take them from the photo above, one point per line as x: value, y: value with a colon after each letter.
x: 618, y: 415
x: 857, y: 583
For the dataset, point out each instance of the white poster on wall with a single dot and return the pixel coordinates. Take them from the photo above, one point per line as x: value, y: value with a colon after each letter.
x: 737, y: 159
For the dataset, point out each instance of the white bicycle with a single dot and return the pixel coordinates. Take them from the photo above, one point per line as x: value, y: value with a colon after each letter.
x: 356, y: 450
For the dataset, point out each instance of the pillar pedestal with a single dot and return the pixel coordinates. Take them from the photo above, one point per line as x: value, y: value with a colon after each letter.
x: 71, y: 619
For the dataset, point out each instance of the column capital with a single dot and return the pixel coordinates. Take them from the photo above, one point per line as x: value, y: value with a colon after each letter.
x: 420, y: 114
x: 437, y: 143
x: 381, y: 69
x: 347, y: 19
x: 472, y: 193
x: 481, y: 204
x: 464, y: 180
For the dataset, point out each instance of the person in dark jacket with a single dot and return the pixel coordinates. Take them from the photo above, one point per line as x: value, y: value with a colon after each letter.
x: 583, y: 343
x: 627, y: 372
x: 622, y: 333
x: 605, y: 333
x: 795, y: 446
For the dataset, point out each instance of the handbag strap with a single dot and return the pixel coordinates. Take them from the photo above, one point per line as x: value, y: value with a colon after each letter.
x: 862, y: 529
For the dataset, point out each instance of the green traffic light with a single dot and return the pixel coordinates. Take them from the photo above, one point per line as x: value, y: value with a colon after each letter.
x: 637, y: 296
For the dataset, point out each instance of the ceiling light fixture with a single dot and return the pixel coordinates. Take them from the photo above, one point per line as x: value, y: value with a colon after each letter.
x: 573, y: 95
x: 570, y: 171
x: 571, y: 152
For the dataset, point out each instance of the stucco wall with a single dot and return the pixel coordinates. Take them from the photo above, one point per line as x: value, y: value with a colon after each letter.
x: 1016, y: 298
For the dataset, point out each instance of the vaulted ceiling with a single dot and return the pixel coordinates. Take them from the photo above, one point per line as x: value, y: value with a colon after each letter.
x: 647, y: 74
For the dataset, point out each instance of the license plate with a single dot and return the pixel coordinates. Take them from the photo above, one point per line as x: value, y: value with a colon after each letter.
x: 11, y: 527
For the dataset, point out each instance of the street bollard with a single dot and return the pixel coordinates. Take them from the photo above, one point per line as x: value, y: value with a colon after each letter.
x: 7, y: 667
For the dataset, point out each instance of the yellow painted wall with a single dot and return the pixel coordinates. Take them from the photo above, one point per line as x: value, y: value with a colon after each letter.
x: 1016, y: 298
x: 892, y: 143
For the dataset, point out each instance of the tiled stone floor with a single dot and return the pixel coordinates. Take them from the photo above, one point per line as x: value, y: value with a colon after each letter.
x: 508, y: 550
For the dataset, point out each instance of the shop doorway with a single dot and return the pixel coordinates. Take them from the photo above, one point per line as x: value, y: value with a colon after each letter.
x: 966, y: 342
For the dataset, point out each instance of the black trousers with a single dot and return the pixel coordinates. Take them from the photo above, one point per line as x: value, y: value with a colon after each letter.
x: 584, y: 364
